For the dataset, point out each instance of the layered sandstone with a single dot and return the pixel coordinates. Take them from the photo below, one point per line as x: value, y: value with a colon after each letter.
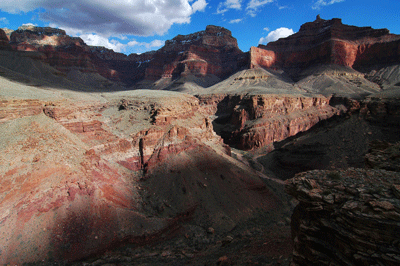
x: 210, y: 52
x: 254, y: 121
x: 329, y: 42
x: 83, y: 173
x: 213, y: 51
x: 63, y: 52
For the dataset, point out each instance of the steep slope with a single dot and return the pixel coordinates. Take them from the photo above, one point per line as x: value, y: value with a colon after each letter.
x: 331, y: 42
x: 81, y: 173
x: 328, y: 57
x: 4, y: 43
x: 336, y: 80
x: 202, y: 57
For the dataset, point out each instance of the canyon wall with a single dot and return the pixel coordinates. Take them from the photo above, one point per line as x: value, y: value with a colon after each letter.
x: 350, y: 216
x: 84, y: 174
x: 329, y: 42
x: 210, y: 52
x: 213, y: 51
x: 254, y: 121
x: 4, y: 43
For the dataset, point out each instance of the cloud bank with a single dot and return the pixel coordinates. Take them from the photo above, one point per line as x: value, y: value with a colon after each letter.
x: 276, y: 34
x: 110, y: 18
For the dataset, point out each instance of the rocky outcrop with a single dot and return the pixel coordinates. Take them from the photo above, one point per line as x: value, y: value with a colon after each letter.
x: 7, y: 32
x: 329, y: 42
x: 57, y: 49
x: 346, y: 217
x: 261, y: 58
x: 4, y: 43
x: 82, y: 175
x: 253, y: 121
x: 213, y: 51
x: 66, y: 53
x: 382, y: 110
x: 383, y: 155
x: 210, y: 52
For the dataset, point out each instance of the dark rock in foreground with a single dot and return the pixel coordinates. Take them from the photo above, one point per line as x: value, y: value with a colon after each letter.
x: 347, y: 217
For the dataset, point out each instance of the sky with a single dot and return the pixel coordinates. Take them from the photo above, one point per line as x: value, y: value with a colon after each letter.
x: 137, y: 26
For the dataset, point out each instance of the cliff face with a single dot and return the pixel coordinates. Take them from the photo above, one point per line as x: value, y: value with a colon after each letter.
x: 254, y: 121
x: 329, y: 42
x: 347, y: 217
x: 4, y: 45
x: 213, y: 51
x: 210, y: 52
x: 80, y: 175
x: 66, y: 53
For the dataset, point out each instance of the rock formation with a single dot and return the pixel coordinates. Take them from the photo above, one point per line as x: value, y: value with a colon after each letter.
x: 346, y: 217
x: 328, y: 42
x: 4, y: 45
x: 66, y: 53
x: 213, y: 51
x: 254, y: 121
x: 210, y: 52
x: 82, y: 173
x: 350, y: 216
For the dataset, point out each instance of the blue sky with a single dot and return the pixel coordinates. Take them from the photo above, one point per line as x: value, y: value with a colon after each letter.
x: 136, y: 26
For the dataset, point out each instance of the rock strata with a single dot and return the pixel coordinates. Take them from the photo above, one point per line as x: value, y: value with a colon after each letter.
x: 210, y: 52
x: 329, y: 42
x: 81, y: 176
x: 4, y: 42
x: 346, y: 217
x: 254, y: 121
x: 213, y: 51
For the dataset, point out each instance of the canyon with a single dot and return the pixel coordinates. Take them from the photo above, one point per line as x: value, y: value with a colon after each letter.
x: 188, y: 154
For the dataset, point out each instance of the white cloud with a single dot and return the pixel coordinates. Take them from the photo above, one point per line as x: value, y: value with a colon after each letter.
x: 229, y: 4
x: 235, y: 20
x: 266, y: 29
x: 276, y: 34
x: 199, y: 5
x: 97, y: 40
x: 111, y: 18
x: 254, y: 5
x: 321, y: 3
x: 4, y: 21
x: 152, y: 44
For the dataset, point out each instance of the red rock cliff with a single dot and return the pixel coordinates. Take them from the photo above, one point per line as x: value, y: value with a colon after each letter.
x: 328, y: 42
x: 213, y: 51
x: 255, y: 121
